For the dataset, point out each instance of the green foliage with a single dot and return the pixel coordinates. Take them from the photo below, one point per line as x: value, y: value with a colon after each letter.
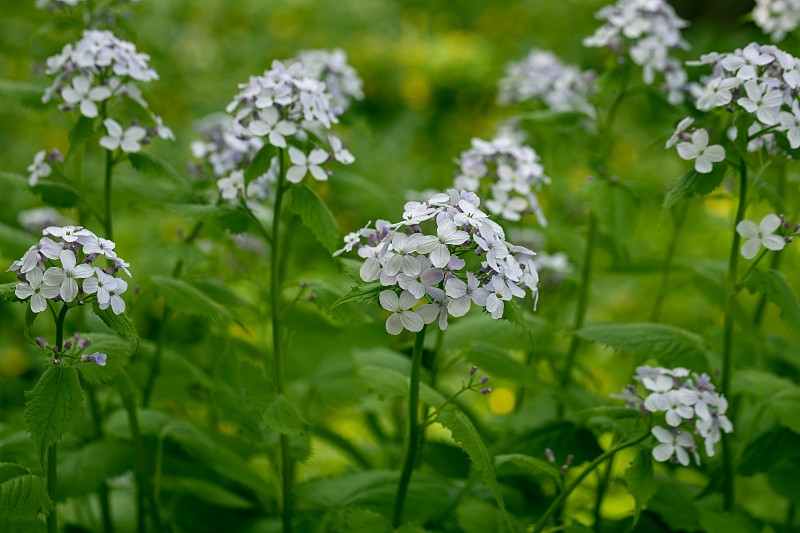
x: 223, y: 216
x: 694, y: 183
x: 122, y: 324
x: 529, y: 465
x: 260, y: 163
x: 366, y: 293
x: 27, y: 94
x: 775, y: 286
x: 284, y: 416
x: 83, y: 470
x: 187, y: 299
x: 668, y: 345
x: 147, y: 163
x: 614, y: 205
x: 316, y: 216
x: 53, y: 407
x: 7, y: 292
x: 640, y: 479
x: 22, y: 496
x: 81, y: 132
x: 118, y: 351
x: 781, y: 396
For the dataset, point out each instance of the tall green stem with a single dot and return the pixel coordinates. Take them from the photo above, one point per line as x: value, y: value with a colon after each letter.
x: 108, y: 219
x: 727, y: 339
x: 577, y: 481
x: 97, y: 426
x: 277, y: 346
x: 413, y: 429
x: 52, y: 475
x: 580, y: 310
x: 655, y: 314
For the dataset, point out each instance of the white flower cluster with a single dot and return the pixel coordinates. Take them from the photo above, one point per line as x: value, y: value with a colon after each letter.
x: 543, y: 76
x: 648, y: 30
x: 509, y: 171
x: 690, y: 406
x: 763, y: 234
x: 41, y: 4
x: 468, y: 261
x: 777, y: 17
x: 50, y: 270
x: 341, y: 79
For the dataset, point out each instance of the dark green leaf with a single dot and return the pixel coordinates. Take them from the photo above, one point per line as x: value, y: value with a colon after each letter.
x: 315, y: 215
x: 356, y: 520
x: 669, y: 345
x: 284, y: 416
x: 366, y: 293
x: 260, y: 163
x: 118, y: 352
x: 640, y: 480
x: 83, y: 470
x: 56, y: 194
x: 154, y: 165
x: 7, y: 292
x: 22, y: 496
x: 81, y: 132
x: 53, y: 407
x: 227, y: 217
x: 673, y: 501
x: 205, y: 491
x: 775, y: 286
x: 694, y: 183
x: 780, y: 395
x: 530, y: 465
x: 122, y: 324
x: 187, y: 299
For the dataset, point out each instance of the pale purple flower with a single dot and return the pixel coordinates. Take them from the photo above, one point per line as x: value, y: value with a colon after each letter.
x: 65, y: 277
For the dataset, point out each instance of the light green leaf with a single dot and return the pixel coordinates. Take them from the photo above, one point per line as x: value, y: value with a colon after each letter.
x: 284, y: 416
x: 366, y: 293
x: 122, y: 324
x: 694, y: 184
x: 227, y: 217
x: 22, y: 496
x: 81, y: 132
x: 53, y: 407
x: 27, y: 94
x: 315, y: 215
x: 7, y: 292
x: 357, y: 520
x: 640, y: 480
x: 13, y: 241
x: 187, y: 299
x: 775, y: 286
x: 467, y: 437
x: 669, y: 345
x: 781, y: 396
x: 154, y: 165
x: 260, y: 163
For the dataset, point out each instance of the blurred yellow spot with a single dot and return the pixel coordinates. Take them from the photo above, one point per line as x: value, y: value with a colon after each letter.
x: 226, y: 427
x: 718, y: 206
x: 13, y: 362
x: 501, y: 401
x: 624, y: 154
x: 415, y: 90
x: 238, y: 332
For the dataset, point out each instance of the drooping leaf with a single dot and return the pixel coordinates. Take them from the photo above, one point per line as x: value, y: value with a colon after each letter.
x: 775, y: 286
x: 81, y: 132
x: 187, y: 299
x: 358, y: 520
x: 467, y: 437
x: 669, y: 345
x: 694, y: 183
x: 315, y: 215
x: 495, y: 362
x: 674, y: 502
x: 284, y: 416
x: 781, y: 396
x: 53, y: 407
x: 56, y: 194
x: 641, y: 481
x: 366, y: 293
x: 118, y: 352
x: 122, y: 324
x: 22, y: 496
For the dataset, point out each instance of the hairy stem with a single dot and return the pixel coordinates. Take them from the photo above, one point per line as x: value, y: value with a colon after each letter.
x: 577, y: 481
x: 727, y: 339
x: 413, y: 429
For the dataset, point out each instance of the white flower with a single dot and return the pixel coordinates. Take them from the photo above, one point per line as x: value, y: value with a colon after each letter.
x: 303, y: 165
x: 36, y: 289
x: 82, y: 92
x: 44, y: 248
x: 103, y: 284
x: 232, y: 187
x: 270, y: 124
x: 402, y: 316
x: 717, y: 93
x: 498, y: 293
x: 745, y: 64
x: 761, y: 101
x: 429, y: 312
x: 100, y: 246
x: 447, y: 233
x: 790, y: 123
x: 699, y: 150
x: 340, y: 153
x: 128, y: 139
x: 39, y: 168
x: 673, y: 442
x: 760, y: 235
x: 462, y: 294
x: 67, y: 233
x: 65, y: 277
x: 423, y: 282
x: 404, y: 245
x: 682, y: 126
x: 115, y: 300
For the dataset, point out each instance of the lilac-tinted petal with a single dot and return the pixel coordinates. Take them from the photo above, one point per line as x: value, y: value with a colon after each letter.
x: 394, y: 324
x: 455, y: 288
x: 440, y: 255
x: 428, y: 312
x: 747, y: 229
x: 407, y: 300
x: 411, y: 321
x: 54, y: 276
x: 663, y: 452
x: 389, y: 301
x: 750, y: 248
x: 769, y: 223
x: 459, y: 306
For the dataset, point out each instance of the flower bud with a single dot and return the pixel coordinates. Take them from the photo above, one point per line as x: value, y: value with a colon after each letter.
x: 55, y: 156
x: 564, y: 469
x: 41, y: 342
x: 487, y: 390
x: 311, y: 297
x: 484, y: 379
x: 474, y: 369
x: 570, y: 458
x: 83, y: 343
x: 67, y: 345
x: 550, y: 455
x: 56, y: 361
x: 303, y: 284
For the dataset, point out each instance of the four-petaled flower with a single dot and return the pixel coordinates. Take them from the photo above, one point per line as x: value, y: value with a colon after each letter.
x: 127, y: 140
x: 65, y: 277
x: 760, y: 235
x: 402, y: 316
x: 81, y: 92
x: 673, y: 442
x: 303, y: 165
x: 699, y: 150
x: 36, y: 289
x: 38, y: 169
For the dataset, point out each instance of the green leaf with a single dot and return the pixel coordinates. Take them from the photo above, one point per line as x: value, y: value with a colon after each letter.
x: 284, y: 416
x: 640, y: 480
x: 27, y: 94
x: 315, y: 215
x: 729, y: 522
x: 118, y: 351
x: 53, y: 407
x: 150, y: 423
x: 365, y: 293
x: 154, y: 165
x: 382, y: 381
x: 742, y: 122
x: 14, y: 241
x: 56, y: 194
x: 187, y: 299
x: 22, y: 496
x: 669, y: 345
x: 227, y: 217
x: 7, y: 292
x: 614, y: 204
x: 260, y: 163
x: 83, y: 470
x: 205, y: 491
x: 122, y: 324
x: 467, y: 437
x: 81, y: 132
x: 553, y: 118
x: 496, y: 362
x: 775, y: 286
x: 674, y: 502
x: 530, y: 465
x: 357, y: 520
x: 780, y: 395
x: 692, y: 184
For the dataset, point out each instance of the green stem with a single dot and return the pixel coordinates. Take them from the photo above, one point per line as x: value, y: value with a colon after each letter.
x: 602, y: 484
x: 108, y: 218
x: 580, y: 311
x: 141, y: 458
x: 655, y: 314
x: 727, y: 339
x: 60, y: 327
x: 577, y: 481
x: 413, y: 429
x: 52, y: 518
x: 776, y: 259
x: 277, y: 347
x: 97, y: 426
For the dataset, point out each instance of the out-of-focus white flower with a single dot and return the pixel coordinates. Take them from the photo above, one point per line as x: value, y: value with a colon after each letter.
x: 39, y: 168
x: 761, y: 234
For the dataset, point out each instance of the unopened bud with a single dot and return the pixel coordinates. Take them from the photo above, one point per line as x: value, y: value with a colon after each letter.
x: 55, y: 350
x: 89, y: 258
x: 81, y: 302
x: 41, y: 342
x: 56, y: 361
x: 788, y: 238
x: 570, y: 458
x: 67, y: 345
x: 303, y: 284
x: 83, y: 343
x: 487, y: 390
x: 77, y: 337
x: 311, y: 297
x: 550, y: 455
x: 564, y: 469
x: 474, y: 369
x: 484, y: 379
x: 55, y: 156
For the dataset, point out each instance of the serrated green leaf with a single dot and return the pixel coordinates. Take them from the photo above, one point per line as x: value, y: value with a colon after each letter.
x: 641, y: 481
x: 775, y: 286
x: 187, y: 299
x: 56, y: 194
x: 81, y: 132
x: 315, y: 215
x: 11, y: 470
x: 692, y: 184
x: 118, y: 352
x: 227, y: 217
x: 53, y: 407
x: 260, y: 163
x: 494, y: 361
x: 219, y: 292
x: 23, y: 497
x: 727, y: 522
x: 284, y: 416
x: 366, y: 293
x: 674, y: 502
x: 153, y: 165
x: 669, y: 345
x: 467, y: 437
x: 122, y: 324
x: 780, y: 395
x: 7, y: 292
x: 357, y: 520
x: 83, y: 470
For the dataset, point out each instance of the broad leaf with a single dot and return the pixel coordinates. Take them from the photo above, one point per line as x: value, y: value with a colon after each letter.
x: 187, y: 299
x: 153, y: 165
x: 27, y: 94
x: 366, y: 293
x: 780, y: 395
x: 53, y: 407
x: 83, y: 470
x: 118, y: 352
x: 530, y: 465
x: 81, y: 132
x: 227, y: 217
x: 615, y: 207
x: 694, y: 183
x: 669, y: 345
x: 22, y: 496
x: 56, y: 194
x: 640, y: 480
x: 7, y: 292
x: 284, y: 416
x: 122, y: 324
x: 775, y: 286
x: 260, y: 163
x: 315, y: 215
